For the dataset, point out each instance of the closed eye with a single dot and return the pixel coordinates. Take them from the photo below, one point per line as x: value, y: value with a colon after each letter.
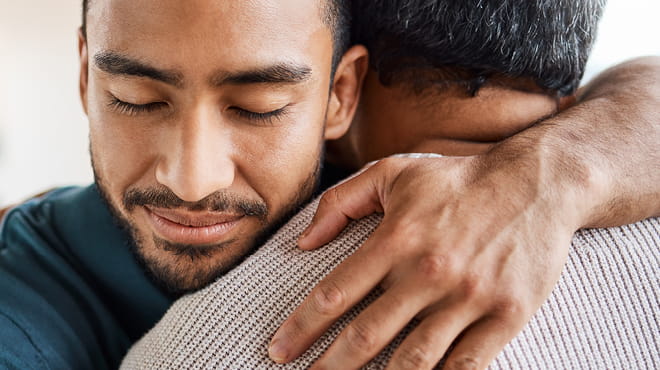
x: 261, y: 117
x: 130, y: 109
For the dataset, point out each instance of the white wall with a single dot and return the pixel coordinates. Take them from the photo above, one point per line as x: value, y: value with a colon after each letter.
x: 43, y: 133
x: 628, y: 28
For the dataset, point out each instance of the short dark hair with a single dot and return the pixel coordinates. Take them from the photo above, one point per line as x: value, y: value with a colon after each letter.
x: 548, y: 41
x: 336, y: 14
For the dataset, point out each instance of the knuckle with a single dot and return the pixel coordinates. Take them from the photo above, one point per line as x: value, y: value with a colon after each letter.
x: 297, y: 325
x: 413, y: 357
x: 330, y: 198
x: 397, y: 302
x: 472, y: 286
x: 454, y: 269
x: 511, y: 307
x: 463, y: 363
x: 329, y: 299
x: 361, y: 338
x: 435, y: 267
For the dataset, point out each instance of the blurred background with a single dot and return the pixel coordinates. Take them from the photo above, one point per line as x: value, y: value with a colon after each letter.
x: 43, y: 131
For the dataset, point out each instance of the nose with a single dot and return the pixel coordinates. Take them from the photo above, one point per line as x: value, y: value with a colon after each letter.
x: 196, y: 160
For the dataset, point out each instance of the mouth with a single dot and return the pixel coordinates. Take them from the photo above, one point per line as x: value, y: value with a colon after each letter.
x: 192, y: 228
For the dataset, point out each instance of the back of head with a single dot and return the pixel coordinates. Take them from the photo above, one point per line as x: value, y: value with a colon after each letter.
x: 470, y: 41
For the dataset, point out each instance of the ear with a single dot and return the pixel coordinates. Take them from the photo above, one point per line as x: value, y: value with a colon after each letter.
x: 84, y: 68
x: 345, y: 92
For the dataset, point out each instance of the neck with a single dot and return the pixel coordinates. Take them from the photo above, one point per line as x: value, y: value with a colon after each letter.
x: 393, y: 119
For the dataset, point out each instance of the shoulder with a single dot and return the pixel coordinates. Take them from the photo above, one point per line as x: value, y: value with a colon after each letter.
x: 33, y: 334
x: 52, y: 309
x: 36, y: 213
x: 23, y: 356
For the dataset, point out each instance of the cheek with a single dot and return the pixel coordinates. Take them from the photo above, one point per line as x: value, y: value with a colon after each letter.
x: 122, y: 147
x: 282, y: 160
x: 121, y: 154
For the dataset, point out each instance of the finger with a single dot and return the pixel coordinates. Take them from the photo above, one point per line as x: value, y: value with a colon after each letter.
x: 351, y: 200
x: 481, y: 343
x: 334, y: 295
x: 375, y: 327
x: 425, y: 346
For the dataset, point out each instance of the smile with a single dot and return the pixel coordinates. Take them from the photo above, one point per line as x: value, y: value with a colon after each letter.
x: 192, y: 228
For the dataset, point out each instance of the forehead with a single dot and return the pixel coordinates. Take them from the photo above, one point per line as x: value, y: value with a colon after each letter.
x: 199, y: 34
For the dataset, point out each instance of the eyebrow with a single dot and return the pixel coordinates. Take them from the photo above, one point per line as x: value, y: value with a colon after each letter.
x: 118, y: 64
x: 279, y: 73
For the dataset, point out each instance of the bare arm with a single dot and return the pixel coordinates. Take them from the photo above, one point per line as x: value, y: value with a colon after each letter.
x: 607, y: 146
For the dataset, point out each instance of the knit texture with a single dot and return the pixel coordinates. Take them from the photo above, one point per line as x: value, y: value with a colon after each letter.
x: 603, y: 313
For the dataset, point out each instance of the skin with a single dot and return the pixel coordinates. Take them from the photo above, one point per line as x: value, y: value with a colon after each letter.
x: 184, y: 148
x: 448, y: 122
x: 481, y: 249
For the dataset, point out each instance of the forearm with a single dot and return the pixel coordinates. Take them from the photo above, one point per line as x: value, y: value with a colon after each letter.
x: 604, y: 150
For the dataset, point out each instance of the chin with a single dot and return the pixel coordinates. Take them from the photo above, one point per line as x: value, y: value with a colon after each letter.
x: 179, y: 268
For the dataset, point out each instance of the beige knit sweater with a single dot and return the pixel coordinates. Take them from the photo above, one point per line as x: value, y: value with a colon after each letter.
x: 603, y: 314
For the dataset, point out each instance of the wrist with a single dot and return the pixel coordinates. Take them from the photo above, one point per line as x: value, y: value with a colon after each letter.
x: 562, y: 181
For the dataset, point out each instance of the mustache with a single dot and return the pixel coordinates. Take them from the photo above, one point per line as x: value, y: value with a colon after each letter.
x: 162, y: 197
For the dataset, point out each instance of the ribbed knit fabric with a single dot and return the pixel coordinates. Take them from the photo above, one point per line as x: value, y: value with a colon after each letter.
x: 603, y: 313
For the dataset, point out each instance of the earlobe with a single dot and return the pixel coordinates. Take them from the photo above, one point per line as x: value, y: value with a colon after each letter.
x: 84, y: 68
x: 345, y: 92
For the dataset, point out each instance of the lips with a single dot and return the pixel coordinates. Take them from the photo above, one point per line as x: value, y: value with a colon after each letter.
x: 192, y: 228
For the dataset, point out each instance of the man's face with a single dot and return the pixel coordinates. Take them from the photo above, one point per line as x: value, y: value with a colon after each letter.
x: 206, y: 123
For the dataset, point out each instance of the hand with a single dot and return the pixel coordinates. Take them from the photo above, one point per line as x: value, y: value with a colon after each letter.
x: 470, y: 246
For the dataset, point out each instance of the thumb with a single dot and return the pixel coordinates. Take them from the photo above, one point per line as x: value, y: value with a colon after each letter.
x: 351, y: 200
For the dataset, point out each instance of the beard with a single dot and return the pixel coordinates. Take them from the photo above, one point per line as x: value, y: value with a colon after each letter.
x: 195, y: 268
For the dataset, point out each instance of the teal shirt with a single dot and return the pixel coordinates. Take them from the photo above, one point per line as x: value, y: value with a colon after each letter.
x: 72, y: 296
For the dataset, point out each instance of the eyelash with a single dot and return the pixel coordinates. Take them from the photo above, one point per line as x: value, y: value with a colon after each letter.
x: 123, y: 107
x: 269, y: 118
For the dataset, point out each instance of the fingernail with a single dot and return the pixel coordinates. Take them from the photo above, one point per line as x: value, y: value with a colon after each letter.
x: 277, y: 351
